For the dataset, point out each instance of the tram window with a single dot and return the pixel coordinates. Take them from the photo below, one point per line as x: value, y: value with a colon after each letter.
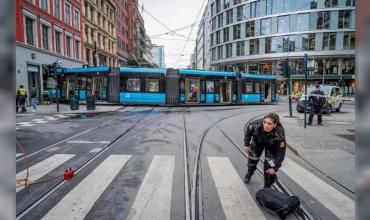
x: 182, y: 86
x: 152, y: 85
x: 257, y: 87
x: 210, y: 86
x: 133, y: 85
x: 249, y: 87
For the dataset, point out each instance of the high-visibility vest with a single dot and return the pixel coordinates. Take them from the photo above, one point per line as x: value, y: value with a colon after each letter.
x: 21, y: 92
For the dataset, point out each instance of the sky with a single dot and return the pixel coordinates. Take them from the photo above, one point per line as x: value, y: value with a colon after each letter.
x: 174, y: 14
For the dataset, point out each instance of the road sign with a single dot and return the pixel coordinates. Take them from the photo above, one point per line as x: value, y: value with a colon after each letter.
x: 59, y: 62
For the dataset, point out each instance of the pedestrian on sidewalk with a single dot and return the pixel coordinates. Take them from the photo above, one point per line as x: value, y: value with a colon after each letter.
x: 21, y: 94
x: 316, y: 100
x: 34, y: 99
x: 265, y: 133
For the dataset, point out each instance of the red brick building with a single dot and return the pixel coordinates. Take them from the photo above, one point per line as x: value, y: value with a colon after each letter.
x: 46, y: 31
x: 126, y: 17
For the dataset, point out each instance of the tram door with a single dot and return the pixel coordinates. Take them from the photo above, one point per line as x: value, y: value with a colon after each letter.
x: 267, y: 92
x: 225, y: 91
x: 70, y: 86
x: 192, y: 90
x: 99, y: 87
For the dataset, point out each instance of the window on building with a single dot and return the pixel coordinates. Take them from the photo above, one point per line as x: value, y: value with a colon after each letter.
x: 77, y: 19
x: 218, y: 37
x: 57, y: 8
x: 239, y: 13
x: 229, y: 50
x: 253, y: 46
x: 303, y: 22
x: 300, y: 5
x: 236, y: 30
x: 240, y: 48
x: 45, y: 37
x: 213, y: 24
x: 283, y: 24
x: 350, y: 2
x: 220, y: 20
x: 86, y: 9
x: 305, y: 42
x: 313, y: 4
x: 226, y: 3
x: 268, y: 44
x: 265, y: 26
x: 323, y: 20
x: 218, y: 6
x: 212, y: 41
x: 226, y: 34
x: 219, y: 52
x: 58, y: 42
x: 344, y: 19
x: 291, y: 43
x: 229, y: 16
x: 44, y: 5
x: 287, y: 6
x: 237, y: 2
x: 331, y: 3
x: 212, y: 9
x: 30, y: 31
x: 67, y: 13
x: 133, y: 85
x: 285, y: 43
x: 269, y: 8
x: 255, y: 9
x: 311, y: 41
x: 329, y: 40
x: 68, y: 46
x: 249, y: 29
x: 349, y: 41
x: 152, y: 85
x: 78, y: 49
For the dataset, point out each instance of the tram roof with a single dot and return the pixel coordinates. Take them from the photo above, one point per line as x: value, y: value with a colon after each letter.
x: 142, y: 70
x: 258, y: 76
x: 86, y: 70
x: 207, y: 73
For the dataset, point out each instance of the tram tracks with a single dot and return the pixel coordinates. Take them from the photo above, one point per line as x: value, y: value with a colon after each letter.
x: 194, y: 206
x: 127, y: 133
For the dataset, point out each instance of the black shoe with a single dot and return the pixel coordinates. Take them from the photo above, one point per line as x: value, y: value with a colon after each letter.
x: 309, y: 123
x: 247, y: 178
x: 319, y: 124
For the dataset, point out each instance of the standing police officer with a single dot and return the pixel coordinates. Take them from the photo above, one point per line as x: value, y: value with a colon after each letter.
x: 265, y: 133
x: 317, y: 100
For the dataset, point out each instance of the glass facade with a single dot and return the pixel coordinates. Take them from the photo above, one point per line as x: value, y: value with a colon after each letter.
x: 283, y: 28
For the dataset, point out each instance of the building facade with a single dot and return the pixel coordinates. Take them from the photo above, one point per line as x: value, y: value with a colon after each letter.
x: 46, y: 32
x: 99, y: 33
x: 202, y: 56
x: 256, y: 36
x: 158, y: 56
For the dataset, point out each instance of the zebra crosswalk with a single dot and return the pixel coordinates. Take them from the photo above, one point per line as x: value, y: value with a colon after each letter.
x: 43, y: 120
x: 154, y: 194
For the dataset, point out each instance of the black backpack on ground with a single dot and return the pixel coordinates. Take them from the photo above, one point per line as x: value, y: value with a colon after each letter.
x: 280, y: 203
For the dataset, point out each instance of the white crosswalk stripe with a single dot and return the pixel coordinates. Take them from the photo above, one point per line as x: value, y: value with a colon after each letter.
x: 77, y: 203
x: 96, y: 150
x: 39, y: 121
x: 339, y: 204
x: 153, y: 201
x: 49, y: 118
x: 236, y: 201
x: 61, y: 116
x: 25, y: 124
x: 87, y: 142
x: 18, y: 154
x: 44, y: 167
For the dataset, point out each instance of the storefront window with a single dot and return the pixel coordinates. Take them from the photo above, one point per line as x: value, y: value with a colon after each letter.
x: 133, y: 85
x: 152, y: 85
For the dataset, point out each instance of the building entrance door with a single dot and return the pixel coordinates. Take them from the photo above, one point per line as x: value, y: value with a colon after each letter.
x: 34, y: 81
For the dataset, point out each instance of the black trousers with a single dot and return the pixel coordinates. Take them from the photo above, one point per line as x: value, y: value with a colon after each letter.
x: 22, y: 103
x: 315, y: 109
x: 253, y: 160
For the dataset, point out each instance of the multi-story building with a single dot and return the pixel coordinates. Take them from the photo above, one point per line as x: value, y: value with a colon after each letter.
x: 99, y: 33
x: 158, y: 56
x: 255, y: 36
x: 202, y: 57
x: 46, y: 32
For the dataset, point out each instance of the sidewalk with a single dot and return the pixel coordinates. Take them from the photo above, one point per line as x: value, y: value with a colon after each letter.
x: 329, y: 148
x: 65, y: 109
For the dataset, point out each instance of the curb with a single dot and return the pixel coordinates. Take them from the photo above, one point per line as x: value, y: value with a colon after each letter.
x: 67, y: 113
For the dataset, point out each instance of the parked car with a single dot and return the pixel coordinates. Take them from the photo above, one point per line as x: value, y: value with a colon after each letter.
x: 334, y: 100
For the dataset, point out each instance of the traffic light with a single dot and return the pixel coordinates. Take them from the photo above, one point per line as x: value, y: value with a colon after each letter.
x: 285, y: 68
x: 52, y: 70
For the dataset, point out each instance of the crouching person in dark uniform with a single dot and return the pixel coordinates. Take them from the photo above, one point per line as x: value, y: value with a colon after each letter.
x: 265, y: 133
x: 317, y: 100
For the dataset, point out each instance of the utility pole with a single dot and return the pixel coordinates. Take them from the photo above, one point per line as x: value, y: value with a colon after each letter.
x: 95, y: 55
x: 305, y: 90
x: 286, y: 69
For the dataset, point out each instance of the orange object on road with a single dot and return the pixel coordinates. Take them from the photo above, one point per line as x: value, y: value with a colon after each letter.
x: 68, y: 174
